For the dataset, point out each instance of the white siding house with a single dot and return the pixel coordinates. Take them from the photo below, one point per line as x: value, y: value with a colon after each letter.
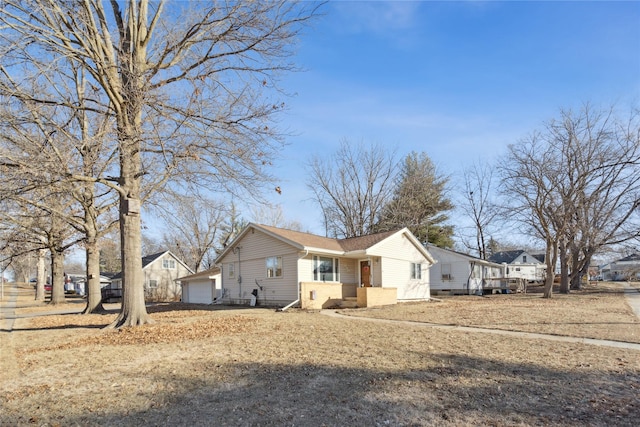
x: 275, y: 265
x: 458, y: 273
x: 627, y: 268
x: 520, y: 264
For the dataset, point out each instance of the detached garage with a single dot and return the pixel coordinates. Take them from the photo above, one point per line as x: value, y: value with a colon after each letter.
x: 202, y: 288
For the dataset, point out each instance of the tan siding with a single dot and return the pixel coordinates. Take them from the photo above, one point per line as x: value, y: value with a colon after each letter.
x: 250, y: 265
x: 168, y: 289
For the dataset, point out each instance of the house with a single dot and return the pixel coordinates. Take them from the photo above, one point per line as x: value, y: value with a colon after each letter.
x: 204, y: 287
x: 520, y: 264
x: 285, y: 268
x: 627, y: 268
x: 160, y: 272
x: 458, y: 273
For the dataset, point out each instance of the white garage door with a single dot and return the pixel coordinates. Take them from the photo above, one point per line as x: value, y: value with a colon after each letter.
x: 199, y: 293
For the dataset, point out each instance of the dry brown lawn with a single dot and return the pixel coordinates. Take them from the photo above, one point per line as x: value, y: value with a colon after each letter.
x: 199, y: 365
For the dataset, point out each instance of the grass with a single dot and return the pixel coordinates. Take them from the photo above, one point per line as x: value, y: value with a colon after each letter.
x: 198, y: 365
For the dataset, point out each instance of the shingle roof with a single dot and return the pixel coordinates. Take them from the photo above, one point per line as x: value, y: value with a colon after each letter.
x: 505, y: 256
x: 327, y: 243
x: 304, y: 239
x: 204, y: 273
x: 632, y: 257
x: 364, y: 242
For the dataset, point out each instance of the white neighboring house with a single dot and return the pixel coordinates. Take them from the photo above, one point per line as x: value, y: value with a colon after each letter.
x: 285, y: 268
x: 161, y: 272
x: 520, y: 264
x: 627, y: 268
x: 204, y: 287
x: 458, y: 273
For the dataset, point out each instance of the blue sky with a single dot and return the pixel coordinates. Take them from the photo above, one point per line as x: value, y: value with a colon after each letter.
x: 457, y: 80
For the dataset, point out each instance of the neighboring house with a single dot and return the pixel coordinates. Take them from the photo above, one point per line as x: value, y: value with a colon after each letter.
x: 286, y: 268
x: 160, y: 274
x: 458, y: 273
x: 520, y: 265
x: 627, y: 268
x: 204, y: 287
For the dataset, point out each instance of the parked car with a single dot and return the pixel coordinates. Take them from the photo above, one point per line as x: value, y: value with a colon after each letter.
x: 47, y: 287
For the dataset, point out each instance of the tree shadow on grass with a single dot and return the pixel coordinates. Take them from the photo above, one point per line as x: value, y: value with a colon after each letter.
x: 449, y: 389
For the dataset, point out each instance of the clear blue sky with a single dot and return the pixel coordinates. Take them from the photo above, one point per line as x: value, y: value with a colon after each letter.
x: 457, y: 80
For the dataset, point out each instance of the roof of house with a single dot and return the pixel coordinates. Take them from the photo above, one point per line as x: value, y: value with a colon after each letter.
x: 202, y: 274
x: 505, y: 256
x: 315, y: 241
x: 305, y: 241
x: 148, y: 259
x: 471, y: 258
x: 632, y: 257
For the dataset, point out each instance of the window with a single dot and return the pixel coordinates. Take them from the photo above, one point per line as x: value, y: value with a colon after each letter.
x: 524, y: 259
x: 416, y: 271
x: 445, y: 270
x: 325, y: 269
x: 274, y: 266
x: 169, y: 264
x: 231, y: 268
x: 153, y: 284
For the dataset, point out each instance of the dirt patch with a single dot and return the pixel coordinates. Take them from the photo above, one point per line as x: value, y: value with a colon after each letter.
x: 244, y: 367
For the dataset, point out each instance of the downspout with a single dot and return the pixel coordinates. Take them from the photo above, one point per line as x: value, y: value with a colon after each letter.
x: 236, y: 250
x: 292, y: 303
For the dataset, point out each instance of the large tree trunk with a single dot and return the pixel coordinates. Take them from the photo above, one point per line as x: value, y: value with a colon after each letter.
x: 551, y: 257
x: 41, y: 277
x: 94, y: 293
x: 57, y: 277
x: 134, y: 311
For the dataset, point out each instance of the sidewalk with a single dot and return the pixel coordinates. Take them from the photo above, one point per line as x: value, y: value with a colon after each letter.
x: 632, y: 295
x: 8, y: 307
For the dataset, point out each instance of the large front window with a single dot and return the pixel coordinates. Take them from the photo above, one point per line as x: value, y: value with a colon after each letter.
x: 325, y: 269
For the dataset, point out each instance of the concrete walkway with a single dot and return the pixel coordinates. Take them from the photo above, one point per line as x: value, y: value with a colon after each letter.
x: 8, y: 307
x: 632, y: 296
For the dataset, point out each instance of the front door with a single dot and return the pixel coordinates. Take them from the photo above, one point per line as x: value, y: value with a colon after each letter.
x: 365, y: 274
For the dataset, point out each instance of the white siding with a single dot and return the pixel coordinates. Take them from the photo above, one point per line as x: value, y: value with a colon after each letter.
x: 397, y: 254
x: 458, y: 267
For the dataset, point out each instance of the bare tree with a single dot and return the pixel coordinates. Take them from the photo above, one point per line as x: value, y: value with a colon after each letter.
x: 62, y: 142
x: 184, y: 83
x: 576, y: 184
x: 419, y: 202
x: 352, y: 186
x: 478, y: 205
x: 273, y: 216
x: 193, y: 228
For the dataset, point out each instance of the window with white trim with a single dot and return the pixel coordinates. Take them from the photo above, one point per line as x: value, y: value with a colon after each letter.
x: 416, y: 271
x: 326, y: 269
x: 153, y: 284
x: 445, y: 271
x: 169, y: 264
x: 274, y: 267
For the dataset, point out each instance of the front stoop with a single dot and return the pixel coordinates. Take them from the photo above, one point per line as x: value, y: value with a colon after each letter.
x: 349, y: 302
